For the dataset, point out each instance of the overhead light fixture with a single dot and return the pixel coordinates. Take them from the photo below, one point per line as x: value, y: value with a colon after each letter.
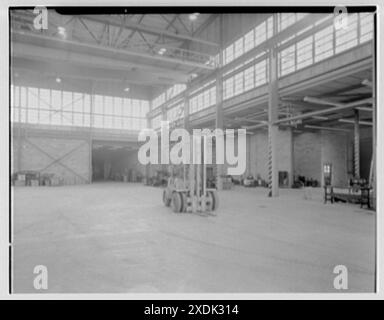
x: 320, y: 118
x: 58, y: 80
x: 162, y: 51
x: 193, y: 16
x: 126, y: 89
x: 61, y: 31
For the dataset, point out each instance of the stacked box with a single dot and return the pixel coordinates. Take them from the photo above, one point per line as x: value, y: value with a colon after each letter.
x: 34, y: 183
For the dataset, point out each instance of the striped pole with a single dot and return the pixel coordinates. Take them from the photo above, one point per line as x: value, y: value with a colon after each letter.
x: 356, y: 145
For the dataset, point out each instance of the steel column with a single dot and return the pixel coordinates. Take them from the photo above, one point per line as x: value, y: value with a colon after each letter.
x: 356, y: 148
x: 273, y: 129
x: 219, y: 107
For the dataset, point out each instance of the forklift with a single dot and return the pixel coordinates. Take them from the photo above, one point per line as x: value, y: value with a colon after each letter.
x: 187, y: 189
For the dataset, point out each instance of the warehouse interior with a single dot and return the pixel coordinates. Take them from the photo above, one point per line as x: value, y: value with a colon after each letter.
x: 82, y: 87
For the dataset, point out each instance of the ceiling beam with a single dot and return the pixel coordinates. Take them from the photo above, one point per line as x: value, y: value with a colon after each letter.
x: 147, y: 29
x: 326, y: 128
x: 337, y: 107
x: 47, y: 41
x: 365, y: 123
x: 30, y: 56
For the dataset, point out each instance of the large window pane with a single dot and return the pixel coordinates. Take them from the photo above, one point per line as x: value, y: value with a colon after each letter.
x: 347, y: 37
x: 108, y: 105
x: 249, y: 80
x: 287, y: 60
x: 323, y: 44
x: 304, y: 52
x: 239, y: 83
x: 98, y: 107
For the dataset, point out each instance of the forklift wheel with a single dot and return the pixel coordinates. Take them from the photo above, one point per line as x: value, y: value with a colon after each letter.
x: 215, y: 200
x: 177, y: 202
x: 167, y: 201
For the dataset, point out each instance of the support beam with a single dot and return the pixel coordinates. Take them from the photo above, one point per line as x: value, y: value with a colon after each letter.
x: 219, y: 108
x: 364, y: 123
x: 50, y: 42
x: 146, y: 29
x: 373, y: 172
x: 148, y: 166
x: 250, y: 120
x: 90, y: 138
x: 273, y: 129
x: 356, y: 148
x: 338, y: 107
x: 365, y: 109
x: 325, y: 128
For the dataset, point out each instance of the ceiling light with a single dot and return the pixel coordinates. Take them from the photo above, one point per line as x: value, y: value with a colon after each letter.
x: 61, y: 31
x: 126, y: 89
x: 58, y: 80
x: 162, y: 51
x: 193, y: 16
x: 320, y: 118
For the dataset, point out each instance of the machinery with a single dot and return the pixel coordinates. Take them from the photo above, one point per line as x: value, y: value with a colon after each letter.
x: 192, y: 194
x: 187, y: 189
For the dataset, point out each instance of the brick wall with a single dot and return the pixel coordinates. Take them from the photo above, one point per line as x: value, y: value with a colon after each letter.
x: 312, y: 150
x: 68, y: 159
x: 307, y: 155
x: 334, y: 151
x: 257, y: 149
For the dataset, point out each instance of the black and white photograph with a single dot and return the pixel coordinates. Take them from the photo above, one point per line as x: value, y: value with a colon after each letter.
x: 193, y: 150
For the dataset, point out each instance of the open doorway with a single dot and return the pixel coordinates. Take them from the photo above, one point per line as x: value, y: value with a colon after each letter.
x: 115, y: 162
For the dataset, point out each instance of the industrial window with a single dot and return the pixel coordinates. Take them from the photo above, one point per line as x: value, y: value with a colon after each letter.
x: 192, y: 105
x: 175, y: 112
x: 324, y: 44
x: 287, y: 60
x: 366, y: 27
x: 260, y: 73
x: 156, y: 122
x: 228, y: 54
x: 304, y: 52
x: 239, y: 82
x: 347, y: 37
x: 56, y: 106
x: 228, y: 88
x: 212, y: 95
x: 270, y: 27
x: 33, y: 105
x: 157, y: 102
x: 108, y: 105
x: 78, y: 99
x: 239, y: 47
x: 260, y: 33
x: 249, y: 78
x: 15, y: 100
x: 249, y: 40
x: 285, y: 20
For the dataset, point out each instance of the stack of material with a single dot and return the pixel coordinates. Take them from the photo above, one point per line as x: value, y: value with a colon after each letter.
x: 32, y: 178
x: 19, y: 180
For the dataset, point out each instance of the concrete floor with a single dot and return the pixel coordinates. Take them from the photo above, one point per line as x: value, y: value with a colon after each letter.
x: 116, y: 237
